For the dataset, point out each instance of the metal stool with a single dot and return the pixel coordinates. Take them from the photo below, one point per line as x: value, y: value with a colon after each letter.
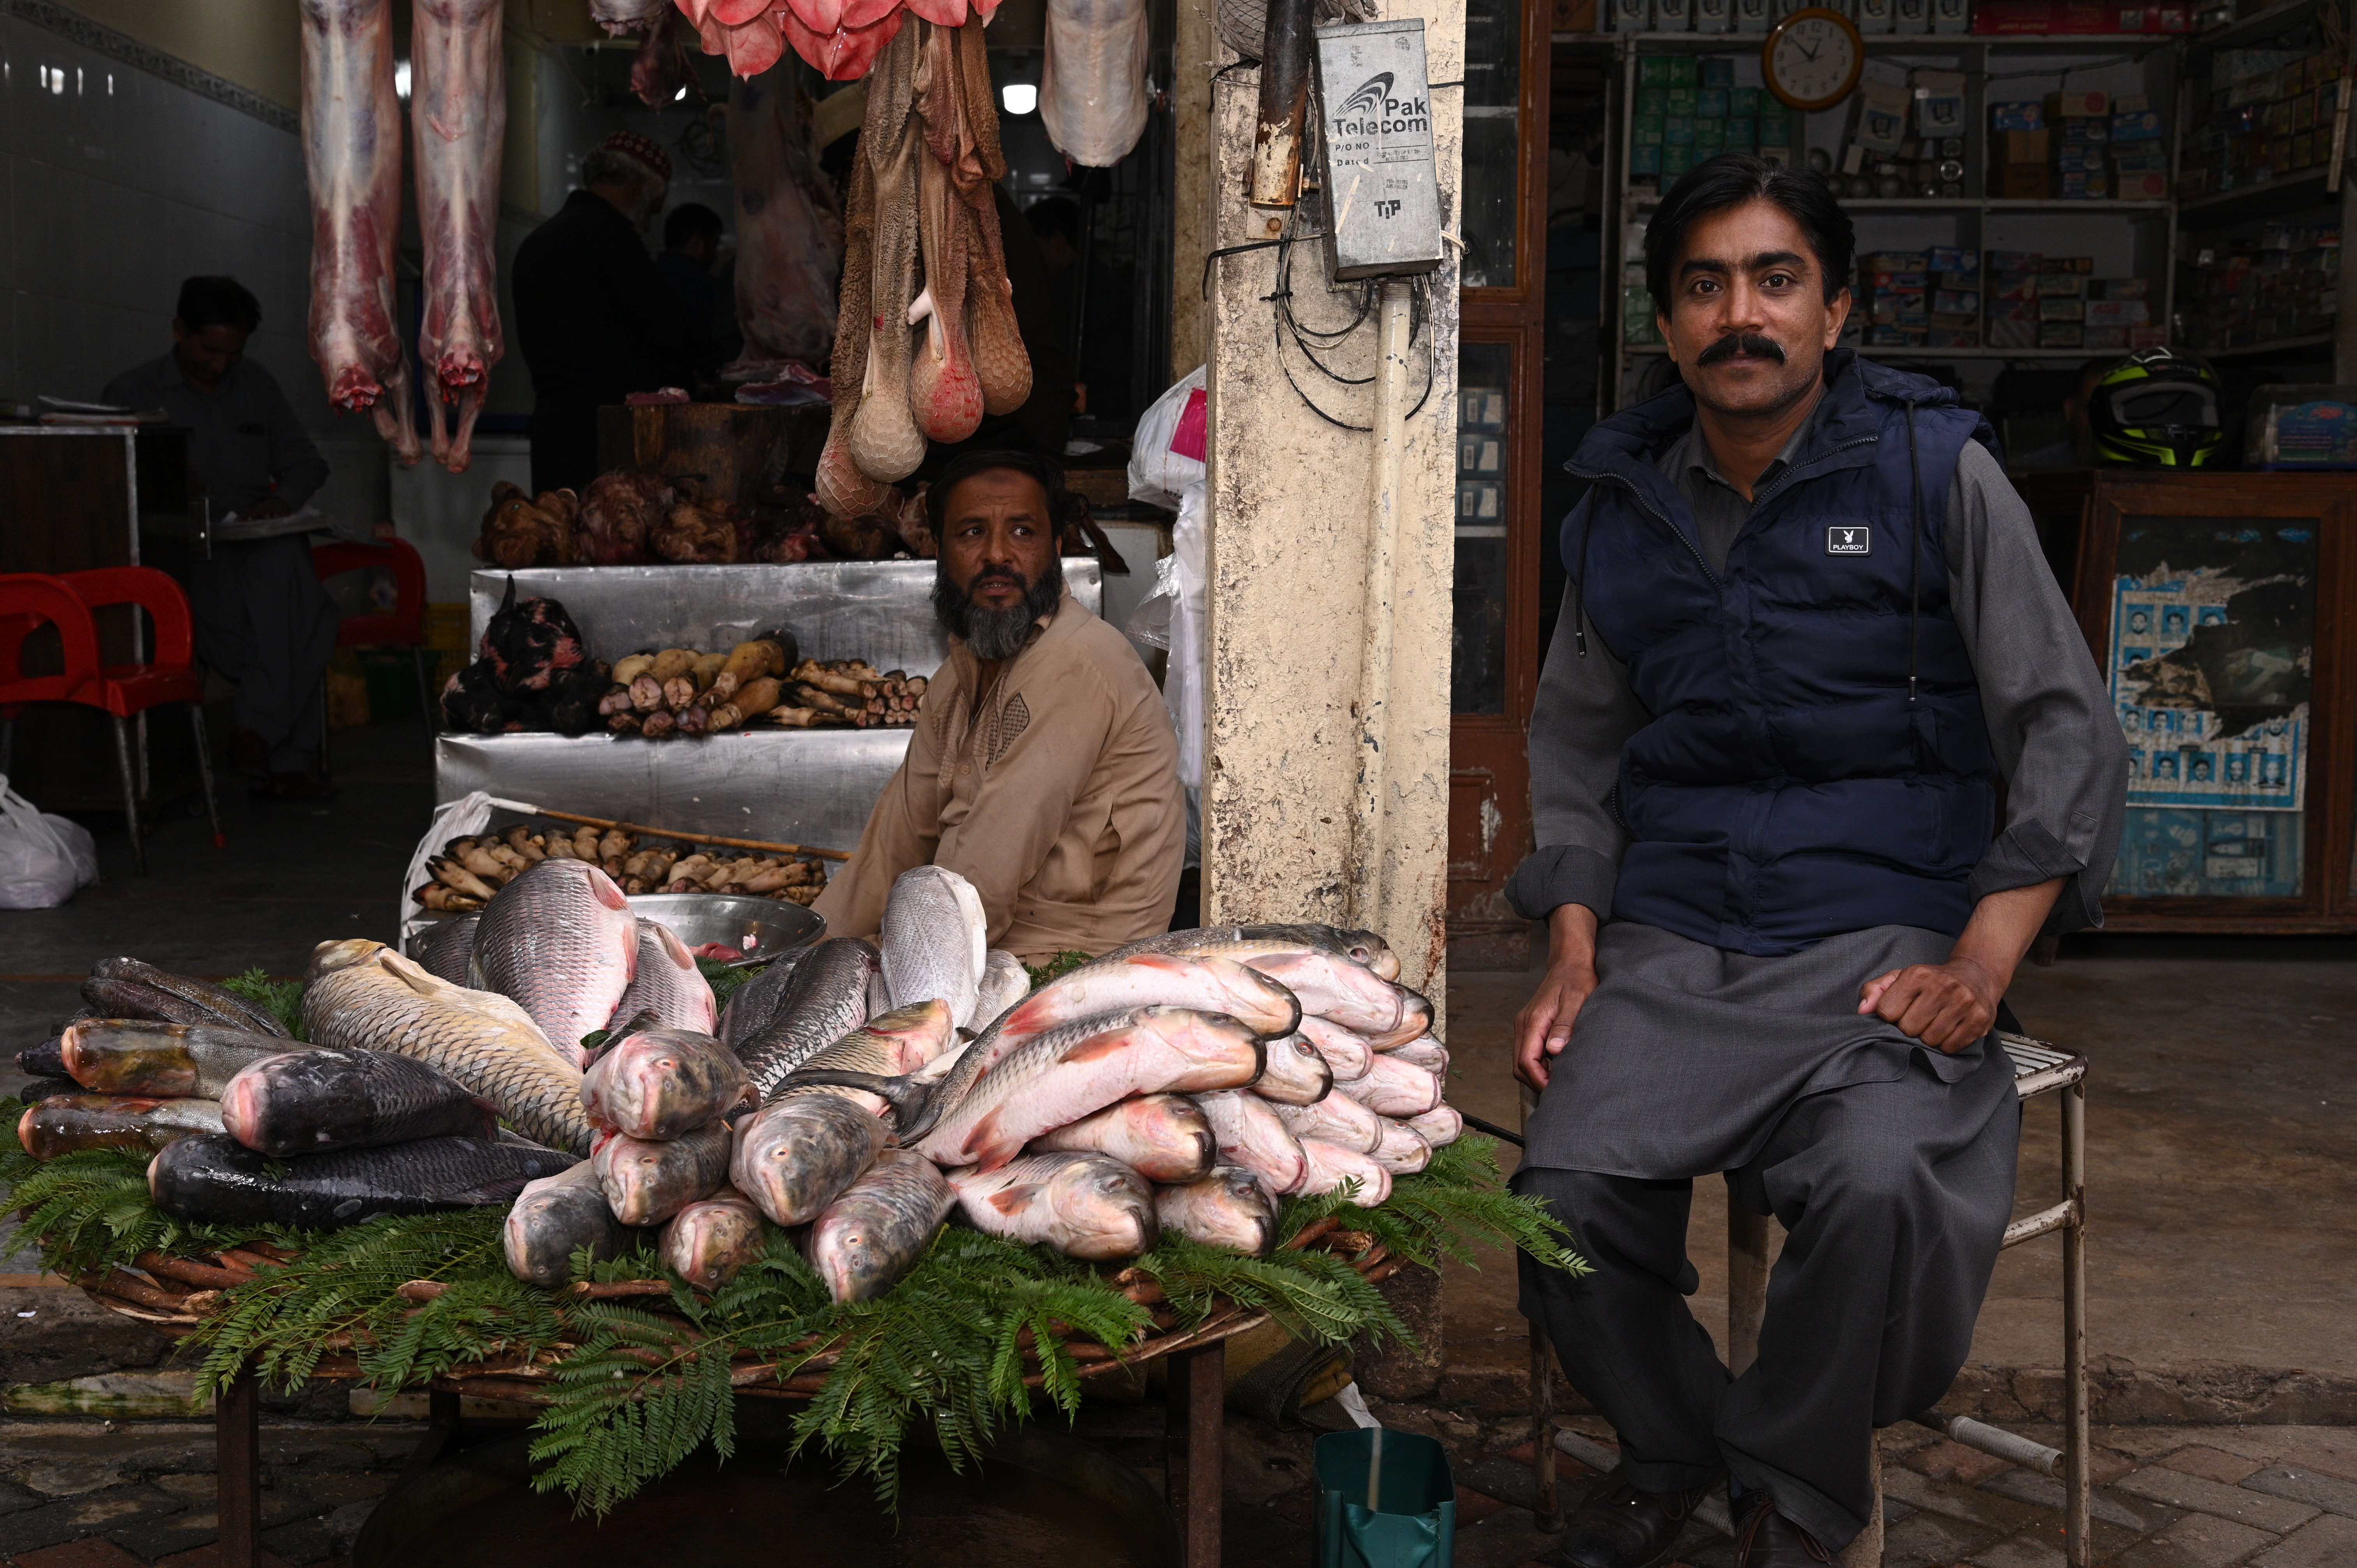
x: 2038, y: 1069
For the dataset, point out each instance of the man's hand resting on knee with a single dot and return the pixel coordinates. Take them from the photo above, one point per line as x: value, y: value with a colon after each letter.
x: 1543, y: 1026
x: 1949, y: 1006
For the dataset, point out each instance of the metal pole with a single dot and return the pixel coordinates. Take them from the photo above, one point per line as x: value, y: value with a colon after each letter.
x: 237, y: 1434
x: 2076, y: 1482
x: 1391, y: 398
x: 1198, y: 1411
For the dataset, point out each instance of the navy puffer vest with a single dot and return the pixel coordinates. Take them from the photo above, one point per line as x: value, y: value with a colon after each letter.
x: 1790, y: 787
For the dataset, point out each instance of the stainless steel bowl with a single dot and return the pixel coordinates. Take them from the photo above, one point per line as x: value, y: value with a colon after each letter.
x: 761, y: 928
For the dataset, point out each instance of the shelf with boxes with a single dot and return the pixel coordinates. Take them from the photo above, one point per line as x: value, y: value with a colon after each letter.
x: 2011, y: 223
x: 1900, y: 22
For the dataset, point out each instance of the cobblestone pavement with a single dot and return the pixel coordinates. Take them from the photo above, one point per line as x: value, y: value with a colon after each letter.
x: 2249, y: 1497
x: 90, y: 1494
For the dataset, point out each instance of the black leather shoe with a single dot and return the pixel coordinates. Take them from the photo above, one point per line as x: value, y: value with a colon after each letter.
x: 1624, y: 1528
x: 1766, y: 1538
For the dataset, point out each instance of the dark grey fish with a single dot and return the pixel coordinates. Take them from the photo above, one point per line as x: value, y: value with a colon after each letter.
x: 306, y: 1103
x: 794, y: 1156
x: 555, y: 1217
x: 47, y: 1059
x: 881, y: 1226
x: 444, y: 947
x: 647, y: 1180
x: 139, y: 1056
x: 136, y: 999
x: 826, y: 999
x: 227, y: 1005
x: 219, y: 1181
x: 662, y: 1083
x: 752, y: 1004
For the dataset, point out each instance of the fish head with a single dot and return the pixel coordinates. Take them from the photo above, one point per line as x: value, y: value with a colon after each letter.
x: 329, y: 957
x: 666, y: 942
x: 1224, y: 1052
x: 916, y: 1033
x: 1103, y: 1208
x: 1293, y: 1073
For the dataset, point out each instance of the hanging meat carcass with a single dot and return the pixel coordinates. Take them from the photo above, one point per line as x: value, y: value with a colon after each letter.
x: 842, y: 39
x: 351, y: 154
x: 884, y: 439
x: 459, y: 110
x: 620, y: 16
x: 788, y: 234
x: 1093, y: 88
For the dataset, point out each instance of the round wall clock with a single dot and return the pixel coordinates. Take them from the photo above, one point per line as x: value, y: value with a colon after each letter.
x: 1813, y: 58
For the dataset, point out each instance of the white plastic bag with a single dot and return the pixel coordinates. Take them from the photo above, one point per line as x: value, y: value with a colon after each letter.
x: 43, y: 859
x: 1157, y: 474
x: 469, y: 813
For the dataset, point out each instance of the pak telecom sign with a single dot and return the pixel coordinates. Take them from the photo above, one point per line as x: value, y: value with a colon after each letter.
x: 1376, y: 114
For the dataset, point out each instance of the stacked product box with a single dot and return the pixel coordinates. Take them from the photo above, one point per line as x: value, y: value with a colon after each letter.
x: 2081, y: 124
x: 2057, y: 302
x: 2139, y: 150
x: 1955, y: 297
x: 2017, y: 16
x: 2021, y: 152
x: 1898, y: 299
x: 2268, y: 114
x: 2280, y: 280
x: 2009, y: 288
x: 1687, y: 110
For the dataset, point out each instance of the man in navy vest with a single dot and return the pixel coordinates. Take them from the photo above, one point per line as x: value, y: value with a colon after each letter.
x: 1809, y: 630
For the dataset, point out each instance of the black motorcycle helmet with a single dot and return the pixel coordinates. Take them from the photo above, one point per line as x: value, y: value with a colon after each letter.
x: 2157, y: 409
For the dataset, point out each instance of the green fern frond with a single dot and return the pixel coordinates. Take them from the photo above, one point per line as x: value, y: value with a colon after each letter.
x: 283, y: 997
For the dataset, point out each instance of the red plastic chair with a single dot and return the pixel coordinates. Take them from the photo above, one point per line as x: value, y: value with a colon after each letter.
x: 29, y: 601
x: 170, y: 675
x: 405, y: 627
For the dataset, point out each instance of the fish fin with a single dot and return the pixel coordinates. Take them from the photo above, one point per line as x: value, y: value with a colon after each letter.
x: 1010, y: 1199
x: 911, y: 1102
x: 408, y: 973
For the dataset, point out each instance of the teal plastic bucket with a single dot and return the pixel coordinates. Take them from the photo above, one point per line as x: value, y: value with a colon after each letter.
x: 1385, y: 1499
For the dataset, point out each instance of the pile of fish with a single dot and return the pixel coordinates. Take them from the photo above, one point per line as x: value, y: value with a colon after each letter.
x: 471, y: 870
x: 252, y: 1127
x: 1185, y: 1083
x: 560, y: 1056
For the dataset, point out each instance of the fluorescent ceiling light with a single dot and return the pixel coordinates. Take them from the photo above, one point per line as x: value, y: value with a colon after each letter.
x: 1018, y: 97
x: 400, y: 79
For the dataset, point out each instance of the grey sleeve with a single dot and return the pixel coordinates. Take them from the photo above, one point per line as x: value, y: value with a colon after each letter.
x: 295, y: 463
x: 2050, y: 723
x: 1584, y: 715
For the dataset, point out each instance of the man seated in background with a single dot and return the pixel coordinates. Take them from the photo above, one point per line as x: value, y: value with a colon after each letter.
x: 593, y: 317
x: 1043, y: 769
x: 263, y: 622
x: 690, y: 268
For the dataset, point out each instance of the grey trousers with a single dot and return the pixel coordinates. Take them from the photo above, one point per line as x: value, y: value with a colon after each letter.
x: 1893, y: 1216
x: 263, y: 622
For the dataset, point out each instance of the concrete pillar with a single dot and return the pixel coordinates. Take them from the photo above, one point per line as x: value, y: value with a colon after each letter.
x: 1297, y: 511
x: 1195, y: 52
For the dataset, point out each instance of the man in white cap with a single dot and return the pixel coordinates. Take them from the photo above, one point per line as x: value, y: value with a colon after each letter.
x: 592, y: 316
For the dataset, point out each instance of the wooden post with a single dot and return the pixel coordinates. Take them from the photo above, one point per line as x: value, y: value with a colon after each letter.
x: 237, y: 1426
x: 1196, y: 1445
x: 1746, y: 1284
x: 1544, y: 1502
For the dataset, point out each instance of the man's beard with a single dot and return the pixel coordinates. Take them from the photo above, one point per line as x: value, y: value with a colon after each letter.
x: 996, y: 634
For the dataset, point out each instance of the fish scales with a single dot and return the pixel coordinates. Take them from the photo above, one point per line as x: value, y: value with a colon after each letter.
x: 752, y: 1004
x: 1234, y: 941
x: 881, y: 1226
x: 1086, y: 1206
x: 667, y: 985
x: 934, y: 942
x: 302, y: 1102
x: 1163, y: 1137
x: 217, y: 1180
x: 226, y: 1005
x: 1068, y: 1073
x: 1144, y: 980
x: 362, y: 993
x: 1004, y: 982
x: 446, y: 947
x: 560, y: 940
x: 824, y: 999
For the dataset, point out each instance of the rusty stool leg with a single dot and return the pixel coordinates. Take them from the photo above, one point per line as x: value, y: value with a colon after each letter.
x: 237, y: 1427
x: 1545, y: 1504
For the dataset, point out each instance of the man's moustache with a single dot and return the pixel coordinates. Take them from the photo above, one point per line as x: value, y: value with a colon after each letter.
x: 1736, y: 343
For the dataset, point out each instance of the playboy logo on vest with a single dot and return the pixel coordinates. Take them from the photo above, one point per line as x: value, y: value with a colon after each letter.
x: 1844, y: 540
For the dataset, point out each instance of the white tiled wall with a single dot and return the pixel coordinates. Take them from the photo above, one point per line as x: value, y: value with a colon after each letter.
x: 116, y: 185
